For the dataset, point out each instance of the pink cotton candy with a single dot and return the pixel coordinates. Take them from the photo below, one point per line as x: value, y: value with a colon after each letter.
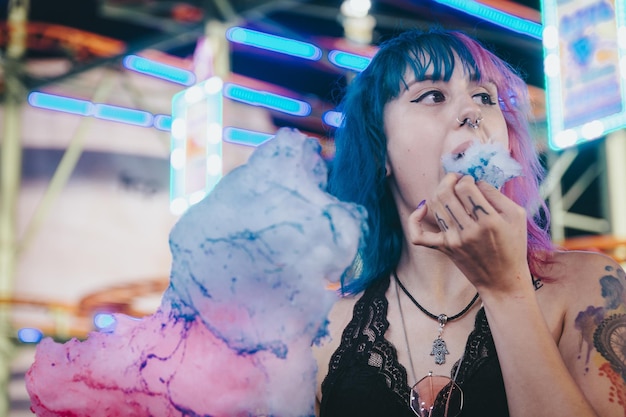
x: 246, y: 300
x: 145, y: 368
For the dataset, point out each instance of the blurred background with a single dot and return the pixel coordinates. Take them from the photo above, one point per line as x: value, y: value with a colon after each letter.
x: 116, y: 115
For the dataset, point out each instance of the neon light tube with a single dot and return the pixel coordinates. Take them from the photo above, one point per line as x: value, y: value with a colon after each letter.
x: 274, y: 43
x: 495, y: 16
x: 245, y: 137
x: 159, y: 70
x: 266, y: 99
x: 124, y: 115
x: 332, y: 118
x: 348, y: 61
x: 163, y: 122
x: 60, y: 103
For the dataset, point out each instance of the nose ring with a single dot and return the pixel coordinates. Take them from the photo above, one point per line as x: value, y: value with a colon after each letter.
x: 468, y: 121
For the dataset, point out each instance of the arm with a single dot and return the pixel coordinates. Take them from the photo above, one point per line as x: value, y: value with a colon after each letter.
x: 539, y: 379
x: 490, y: 249
x: 593, y: 343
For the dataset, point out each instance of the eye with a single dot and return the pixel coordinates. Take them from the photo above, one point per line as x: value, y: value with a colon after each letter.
x: 432, y: 96
x: 484, y: 99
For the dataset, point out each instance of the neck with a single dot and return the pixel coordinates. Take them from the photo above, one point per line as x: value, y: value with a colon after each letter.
x: 428, y: 270
x: 434, y: 280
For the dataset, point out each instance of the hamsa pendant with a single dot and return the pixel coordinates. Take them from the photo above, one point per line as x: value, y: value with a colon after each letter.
x: 440, y: 350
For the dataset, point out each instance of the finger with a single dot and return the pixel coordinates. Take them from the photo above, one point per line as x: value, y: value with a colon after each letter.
x: 500, y: 202
x: 447, y: 208
x: 418, y: 235
x: 472, y: 199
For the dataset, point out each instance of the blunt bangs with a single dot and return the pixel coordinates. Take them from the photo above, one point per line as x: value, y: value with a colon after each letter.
x: 431, y: 55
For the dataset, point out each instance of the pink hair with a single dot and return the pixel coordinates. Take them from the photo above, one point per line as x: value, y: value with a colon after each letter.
x: 524, y: 190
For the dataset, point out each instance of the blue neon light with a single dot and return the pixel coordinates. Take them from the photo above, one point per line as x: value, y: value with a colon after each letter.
x: 103, y: 320
x: 274, y: 43
x: 602, y: 113
x: 245, y: 137
x: 268, y: 100
x: 29, y: 335
x: 124, y: 115
x: 495, y: 16
x: 159, y: 70
x: 349, y: 61
x: 333, y: 118
x: 60, y: 103
x: 163, y: 122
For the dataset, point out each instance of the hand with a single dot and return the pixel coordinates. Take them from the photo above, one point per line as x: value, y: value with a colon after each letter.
x: 481, y: 230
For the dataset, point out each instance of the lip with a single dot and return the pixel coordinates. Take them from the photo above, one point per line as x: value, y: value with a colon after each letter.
x: 459, y: 151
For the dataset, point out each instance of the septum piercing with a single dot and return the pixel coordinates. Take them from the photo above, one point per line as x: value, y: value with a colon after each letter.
x: 468, y: 121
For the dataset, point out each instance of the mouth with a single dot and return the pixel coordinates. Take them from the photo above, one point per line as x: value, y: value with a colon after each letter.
x: 490, y: 162
x: 459, y: 152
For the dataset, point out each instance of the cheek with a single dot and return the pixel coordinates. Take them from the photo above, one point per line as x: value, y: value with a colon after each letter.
x: 499, y: 131
x: 414, y: 166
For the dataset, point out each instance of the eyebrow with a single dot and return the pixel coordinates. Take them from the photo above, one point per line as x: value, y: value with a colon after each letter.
x: 414, y: 81
x: 429, y: 77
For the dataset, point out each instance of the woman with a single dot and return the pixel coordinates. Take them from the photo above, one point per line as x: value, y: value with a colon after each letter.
x: 530, y: 331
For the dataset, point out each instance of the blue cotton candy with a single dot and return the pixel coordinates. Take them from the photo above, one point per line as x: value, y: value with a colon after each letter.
x: 490, y: 162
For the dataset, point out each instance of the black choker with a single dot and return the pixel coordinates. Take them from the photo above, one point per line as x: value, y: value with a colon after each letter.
x: 440, y: 349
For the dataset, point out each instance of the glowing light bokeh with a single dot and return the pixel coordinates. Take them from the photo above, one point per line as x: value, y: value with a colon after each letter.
x: 245, y: 137
x: 103, y: 320
x: 88, y: 109
x: 29, y: 335
x: 274, y: 43
x: 333, y: 118
x: 123, y: 115
x: 356, y: 8
x: 159, y: 70
x: 266, y: 99
x: 584, y: 51
x: 495, y: 16
x: 348, y: 60
x: 196, y: 143
x: 163, y: 122
x: 60, y: 103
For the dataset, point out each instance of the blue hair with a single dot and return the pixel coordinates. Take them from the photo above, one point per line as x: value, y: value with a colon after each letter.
x: 358, y: 170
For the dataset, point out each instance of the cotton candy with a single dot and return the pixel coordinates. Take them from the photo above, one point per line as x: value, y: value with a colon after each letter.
x: 490, y: 162
x: 247, y: 298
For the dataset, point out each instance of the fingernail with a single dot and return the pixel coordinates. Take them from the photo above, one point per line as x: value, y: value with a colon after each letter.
x: 419, y: 206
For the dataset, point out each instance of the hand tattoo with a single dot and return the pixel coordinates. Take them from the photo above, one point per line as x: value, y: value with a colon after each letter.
x: 442, y: 223
x: 476, y: 208
x: 454, y: 217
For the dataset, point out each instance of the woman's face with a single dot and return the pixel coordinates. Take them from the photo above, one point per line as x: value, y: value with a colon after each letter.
x: 421, y: 126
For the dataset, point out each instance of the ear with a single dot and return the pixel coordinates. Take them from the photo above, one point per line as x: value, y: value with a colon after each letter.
x: 387, y: 168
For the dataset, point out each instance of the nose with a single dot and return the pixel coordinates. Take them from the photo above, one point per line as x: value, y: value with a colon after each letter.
x: 469, y: 114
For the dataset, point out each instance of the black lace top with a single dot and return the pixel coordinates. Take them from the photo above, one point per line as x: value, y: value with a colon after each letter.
x: 365, y: 378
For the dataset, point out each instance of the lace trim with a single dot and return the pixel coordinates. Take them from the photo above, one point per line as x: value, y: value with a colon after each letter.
x: 363, y: 343
x: 479, y: 348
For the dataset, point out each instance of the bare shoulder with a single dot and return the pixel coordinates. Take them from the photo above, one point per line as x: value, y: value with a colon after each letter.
x: 575, y: 281
x: 592, y: 283
x: 580, y: 274
x: 338, y: 318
